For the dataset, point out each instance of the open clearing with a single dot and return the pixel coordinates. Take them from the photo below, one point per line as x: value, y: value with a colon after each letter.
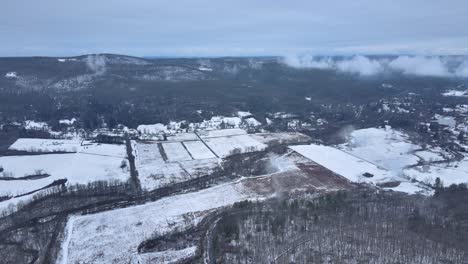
x: 113, y: 236
x: 175, y: 151
x: 154, y: 172
x: 198, y: 150
x: 68, y: 145
x: 226, y: 146
x: 77, y: 168
x: 45, y: 145
x: 354, y: 168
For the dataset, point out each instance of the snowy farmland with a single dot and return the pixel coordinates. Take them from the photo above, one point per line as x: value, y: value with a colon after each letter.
x: 68, y: 145
x: 188, y: 158
x: 222, y: 133
x: 45, y: 145
x: 175, y: 151
x: 390, y: 156
x: 394, y: 151
x: 154, y: 172
x: 77, y: 168
x: 383, y: 152
x: 121, y: 231
x: 198, y: 150
x: 226, y: 146
x: 385, y: 147
x: 343, y: 163
x: 354, y: 168
x: 87, y: 162
x: 454, y: 173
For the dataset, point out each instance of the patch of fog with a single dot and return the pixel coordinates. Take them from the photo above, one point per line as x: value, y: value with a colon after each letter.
x: 422, y: 66
x: 344, y: 133
x: 279, y: 163
x: 437, y: 66
x: 360, y: 65
x: 462, y: 70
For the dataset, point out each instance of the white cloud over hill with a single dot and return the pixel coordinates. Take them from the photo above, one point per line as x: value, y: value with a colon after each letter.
x: 438, y: 66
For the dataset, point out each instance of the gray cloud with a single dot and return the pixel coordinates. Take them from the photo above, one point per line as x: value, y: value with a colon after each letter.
x: 242, y: 27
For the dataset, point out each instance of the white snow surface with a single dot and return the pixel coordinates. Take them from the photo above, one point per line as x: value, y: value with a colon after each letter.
x: 455, y: 173
x: 226, y: 146
x: 45, y: 145
x: 77, y: 168
x: 221, y: 132
x: 456, y: 93
x: 198, y: 150
x: 385, y: 147
x: 154, y: 172
x: 343, y: 163
x: 175, y: 151
x: 11, y: 75
x: 69, y: 145
x: 114, y: 236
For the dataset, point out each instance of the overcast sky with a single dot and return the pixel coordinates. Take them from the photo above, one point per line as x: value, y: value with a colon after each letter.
x: 235, y: 27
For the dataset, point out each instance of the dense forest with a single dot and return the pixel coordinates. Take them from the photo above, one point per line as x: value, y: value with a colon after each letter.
x: 347, y: 227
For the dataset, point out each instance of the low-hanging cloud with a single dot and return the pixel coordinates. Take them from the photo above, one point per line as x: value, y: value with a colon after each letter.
x: 438, y: 66
x: 462, y: 70
x: 308, y: 61
x: 422, y: 66
x: 360, y: 65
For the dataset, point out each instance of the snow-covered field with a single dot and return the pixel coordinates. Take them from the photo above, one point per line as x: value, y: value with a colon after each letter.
x: 343, y: 163
x: 225, y: 146
x: 198, y: 168
x: 390, y: 156
x: 87, y: 162
x: 114, y: 236
x: 175, y: 151
x: 385, y: 147
x: 182, y: 137
x: 77, y: 168
x: 45, y: 145
x: 69, y: 145
x: 154, y: 172
x: 146, y: 152
x: 453, y: 173
x: 198, y: 150
x: 352, y: 167
x: 430, y: 155
x: 393, y: 150
x: 189, y: 159
x: 221, y: 132
x: 281, y: 138
x: 111, y: 150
